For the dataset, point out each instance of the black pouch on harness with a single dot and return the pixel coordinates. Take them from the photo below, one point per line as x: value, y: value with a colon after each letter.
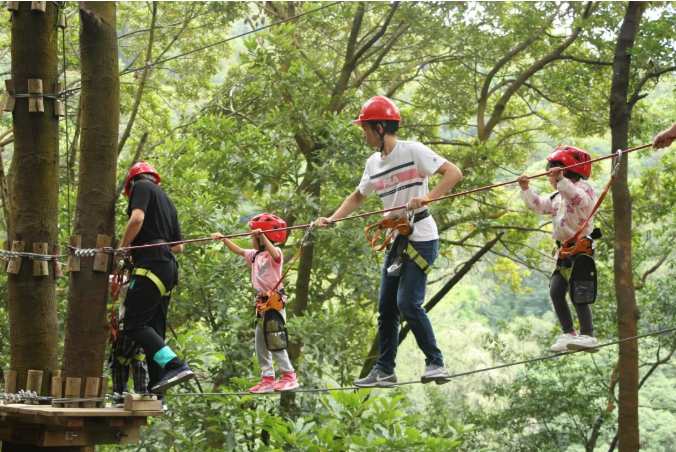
x: 582, y: 280
x: 395, y: 256
x: 274, y: 329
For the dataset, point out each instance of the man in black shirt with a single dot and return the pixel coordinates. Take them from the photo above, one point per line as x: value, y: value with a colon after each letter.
x: 152, y: 219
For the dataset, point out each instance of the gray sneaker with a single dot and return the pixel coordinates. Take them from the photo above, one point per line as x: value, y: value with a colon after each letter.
x: 377, y: 379
x: 435, y: 373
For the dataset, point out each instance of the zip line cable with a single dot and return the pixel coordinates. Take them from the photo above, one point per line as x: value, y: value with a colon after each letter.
x: 90, y: 252
x: 67, y: 92
x: 404, y: 383
x: 391, y: 209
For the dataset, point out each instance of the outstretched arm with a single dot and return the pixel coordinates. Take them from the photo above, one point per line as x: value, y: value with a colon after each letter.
x: 351, y: 203
x: 231, y: 246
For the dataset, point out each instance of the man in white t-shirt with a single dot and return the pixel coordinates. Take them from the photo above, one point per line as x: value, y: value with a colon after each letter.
x: 399, y: 174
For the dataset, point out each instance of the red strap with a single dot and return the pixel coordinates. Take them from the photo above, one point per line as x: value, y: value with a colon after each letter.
x: 575, y: 237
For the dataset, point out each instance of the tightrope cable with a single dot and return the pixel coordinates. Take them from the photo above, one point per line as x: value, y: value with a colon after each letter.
x: 461, y: 374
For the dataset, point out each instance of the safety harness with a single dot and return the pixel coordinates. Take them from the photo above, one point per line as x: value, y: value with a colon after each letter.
x: 400, y: 229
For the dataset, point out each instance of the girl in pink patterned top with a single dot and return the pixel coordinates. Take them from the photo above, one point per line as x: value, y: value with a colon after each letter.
x: 266, y: 260
x: 569, y: 207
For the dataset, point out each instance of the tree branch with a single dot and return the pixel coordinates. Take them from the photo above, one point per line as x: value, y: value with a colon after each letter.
x: 649, y: 271
x: 144, y: 77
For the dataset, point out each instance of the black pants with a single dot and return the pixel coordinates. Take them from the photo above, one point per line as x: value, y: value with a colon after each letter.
x: 557, y: 291
x: 145, y: 318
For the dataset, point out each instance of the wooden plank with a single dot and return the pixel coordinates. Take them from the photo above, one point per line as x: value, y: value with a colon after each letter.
x: 73, y: 264
x: 104, y: 390
x: 15, y: 263
x: 12, y: 6
x: 35, y: 104
x: 40, y: 268
x: 39, y: 6
x: 9, y: 87
x: 54, y: 436
x: 58, y: 267
x: 73, y: 391
x: 34, y: 382
x: 57, y: 387
x: 55, y: 411
x: 10, y: 382
x: 116, y: 421
x: 92, y: 388
x: 101, y: 260
x: 138, y: 402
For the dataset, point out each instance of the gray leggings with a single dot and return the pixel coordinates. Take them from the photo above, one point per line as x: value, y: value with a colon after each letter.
x: 557, y: 291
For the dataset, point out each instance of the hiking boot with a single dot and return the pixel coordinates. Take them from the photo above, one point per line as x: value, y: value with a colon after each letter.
x: 173, y: 377
x: 377, y: 379
x: 266, y: 386
x: 561, y: 344
x: 585, y: 343
x: 288, y: 382
x: 436, y: 373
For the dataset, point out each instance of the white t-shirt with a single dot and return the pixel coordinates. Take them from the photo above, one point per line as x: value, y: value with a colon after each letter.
x: 400, y: 176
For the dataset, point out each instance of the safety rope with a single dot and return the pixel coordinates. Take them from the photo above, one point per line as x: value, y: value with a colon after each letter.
x: 461, y: 374
x: 91, y: 252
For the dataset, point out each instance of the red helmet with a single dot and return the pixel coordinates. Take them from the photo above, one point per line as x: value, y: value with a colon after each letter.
x: 379, y: 108
x: 269, y: 222
x: 569, y: 155
x: 140, y: 168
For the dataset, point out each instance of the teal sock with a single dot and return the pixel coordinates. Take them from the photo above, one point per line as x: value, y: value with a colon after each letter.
x: 163, y: 356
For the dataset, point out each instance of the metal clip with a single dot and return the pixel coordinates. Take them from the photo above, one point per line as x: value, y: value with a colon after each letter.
x: 617, y: 163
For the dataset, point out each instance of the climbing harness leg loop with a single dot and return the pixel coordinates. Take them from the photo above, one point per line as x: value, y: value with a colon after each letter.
x: 153, y: 277
x: 418, y: 259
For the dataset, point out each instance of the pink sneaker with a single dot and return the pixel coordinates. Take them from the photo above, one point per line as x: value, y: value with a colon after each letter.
x: 288, y: 382
x: 267, y: 386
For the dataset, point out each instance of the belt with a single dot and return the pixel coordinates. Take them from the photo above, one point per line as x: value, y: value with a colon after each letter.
x: 421, y: 215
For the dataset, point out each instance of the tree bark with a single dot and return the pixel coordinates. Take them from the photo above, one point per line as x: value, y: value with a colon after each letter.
x: 33, y: 322
x: 627, y: 311
x: 86, y: 325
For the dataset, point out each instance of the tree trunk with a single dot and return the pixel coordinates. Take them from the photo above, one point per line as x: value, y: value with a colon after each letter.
x: 33, y: 322
x: 627, y: 312
x: 87, y: 325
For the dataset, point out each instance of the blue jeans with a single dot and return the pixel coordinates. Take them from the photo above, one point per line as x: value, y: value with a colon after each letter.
x: 405, y: 294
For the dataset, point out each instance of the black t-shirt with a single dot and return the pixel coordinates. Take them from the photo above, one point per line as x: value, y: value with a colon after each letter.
x: 161, y: 222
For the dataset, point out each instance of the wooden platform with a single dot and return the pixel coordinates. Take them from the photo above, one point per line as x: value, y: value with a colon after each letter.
x: 45, y: 425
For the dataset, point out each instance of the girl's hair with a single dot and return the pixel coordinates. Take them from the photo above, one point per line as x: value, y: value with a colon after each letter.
x: 567, y: 173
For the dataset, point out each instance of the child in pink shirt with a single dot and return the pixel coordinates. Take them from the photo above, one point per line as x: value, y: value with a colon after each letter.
x: 569, y: 207
x: 266, y: 262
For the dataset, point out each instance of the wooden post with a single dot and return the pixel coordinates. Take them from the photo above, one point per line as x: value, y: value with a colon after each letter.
x: 10, y: 382
x: 92, y: 389
x: 15, y: 263
x: 34, y: 382
x: 9, y: 87
x: 73, y: 261
x: 59, y: 106
x: 58, y: 268
x: 40, y: 267
x: 101, y: 259
x: 39, y: 6
x: 5, y: 246
x: 35, y: 104
x: 57, y: 385
x: 62, y: 19
x: 72, y: 391
x: 104, y: 390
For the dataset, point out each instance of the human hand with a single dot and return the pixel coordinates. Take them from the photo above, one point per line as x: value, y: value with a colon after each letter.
x: 556, y: 173
x: 523, y: 181
x: 323, y: 222
x: 665, y: 138
x: 257, y: 233
x: 417, y: 203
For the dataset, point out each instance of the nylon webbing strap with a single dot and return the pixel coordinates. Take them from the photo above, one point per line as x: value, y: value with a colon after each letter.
x: 418, y: 259
x: 151, y: 276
